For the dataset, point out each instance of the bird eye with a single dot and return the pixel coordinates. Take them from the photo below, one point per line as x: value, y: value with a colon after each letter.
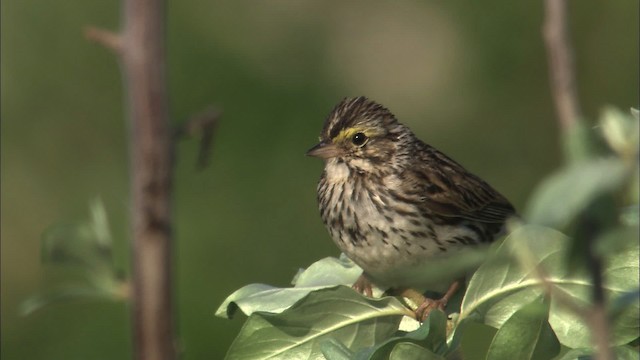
x: 359, y: 139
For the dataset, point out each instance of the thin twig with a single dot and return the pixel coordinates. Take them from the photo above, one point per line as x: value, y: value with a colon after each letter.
x: 561, y: 67
x: 589, y: 229
x: 594, y: 315
x: 560, y: 297
x: 106, y: 38
x: 204, y: 124
x: 527, y: 259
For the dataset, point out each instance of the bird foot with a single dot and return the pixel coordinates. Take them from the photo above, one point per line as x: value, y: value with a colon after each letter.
x: 428, y: 305
x: 424, y: 304
x: 363, y: 286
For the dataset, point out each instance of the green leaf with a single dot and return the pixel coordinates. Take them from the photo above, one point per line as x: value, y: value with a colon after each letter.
x: 436, y: 340
x: 431, y: 336
x: 404, y: 351
x: 621, y: 131
x: 66, y: 293
x: 454, y: 339
x: 626, y: 353
x: 332, y: 349
x: 620, y: 277
x: 99, y: 224
x: 525, y: 335
x: 87, y: 244
x: 619, y: 304
x: 563, y: 195
x: 575, y: 354
x: 327, y: 272
x: 616, y: 240
x: 621, y: 353
x: 630, y: 215
x: 500, y: 288
x: 297, y: 333
x: 87, y: 247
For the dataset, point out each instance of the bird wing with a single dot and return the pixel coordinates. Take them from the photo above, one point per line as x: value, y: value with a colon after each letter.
x: 447, y: 189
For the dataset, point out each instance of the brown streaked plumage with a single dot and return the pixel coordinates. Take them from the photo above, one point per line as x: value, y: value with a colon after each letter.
x: 394, y: 204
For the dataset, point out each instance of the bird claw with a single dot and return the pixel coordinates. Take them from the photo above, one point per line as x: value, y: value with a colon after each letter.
x: 363, y: 286
x: 428, y: 305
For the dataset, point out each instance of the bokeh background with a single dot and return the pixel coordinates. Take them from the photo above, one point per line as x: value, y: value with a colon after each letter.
x: 469, y: 77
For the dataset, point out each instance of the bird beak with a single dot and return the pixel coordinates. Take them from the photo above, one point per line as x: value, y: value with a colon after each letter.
x: 324, y: 150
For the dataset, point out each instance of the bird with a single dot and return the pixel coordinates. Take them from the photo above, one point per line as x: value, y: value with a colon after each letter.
x: 395, y: 205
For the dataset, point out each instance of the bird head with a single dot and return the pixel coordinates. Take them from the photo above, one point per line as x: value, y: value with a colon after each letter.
x: 360, y: 131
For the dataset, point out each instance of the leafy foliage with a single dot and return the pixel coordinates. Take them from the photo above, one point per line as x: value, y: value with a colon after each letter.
x: 260, y: 297
x: 529, y: 327
x: 298, y: 332
x: 501, y: 288
x: 503, y: 293
x: 526, y: 288
x: 85, y: 248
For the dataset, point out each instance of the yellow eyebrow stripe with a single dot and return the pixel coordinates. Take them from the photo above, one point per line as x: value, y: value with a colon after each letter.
x: 349, y: 132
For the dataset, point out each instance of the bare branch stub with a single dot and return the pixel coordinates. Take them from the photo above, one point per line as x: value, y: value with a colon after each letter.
x: 561, y: 66
x: 106, y: 38
x: 203, y: 124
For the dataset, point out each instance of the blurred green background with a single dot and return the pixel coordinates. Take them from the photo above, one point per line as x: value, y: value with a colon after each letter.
x: 469, y: 77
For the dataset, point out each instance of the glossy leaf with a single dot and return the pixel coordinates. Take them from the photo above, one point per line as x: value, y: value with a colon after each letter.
x: 626, y: 353
x: 500, y: 288
x: 578, y: 354
x: 621, y: 131
x: 562, y: 196
x: 333, y: 349
x: 525, y: 335
x: 621, y: 353
x: 404, y: 351
x: 324, y: 273
x: 430, y: 336
x: 297, y: 333
x: 616, y: 240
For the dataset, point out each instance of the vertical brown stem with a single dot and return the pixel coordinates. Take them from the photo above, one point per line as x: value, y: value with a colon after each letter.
x: 143, y: 58
x: 563, y: 89
x: 560, y: 58
x: 596, y: 317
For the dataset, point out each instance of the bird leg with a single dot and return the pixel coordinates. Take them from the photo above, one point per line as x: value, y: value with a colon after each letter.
x: 423, y: 310
x: 425, y: 305
x: 363, y: 286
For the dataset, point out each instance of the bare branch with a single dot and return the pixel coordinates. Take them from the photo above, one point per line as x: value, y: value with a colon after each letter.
x: 563, y: 89
x: 151, y: 151
x: 595, y: 315
x: 561, y: 69
x: 108, y: 39
x: 204, y: 124
x: 589, y: 229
